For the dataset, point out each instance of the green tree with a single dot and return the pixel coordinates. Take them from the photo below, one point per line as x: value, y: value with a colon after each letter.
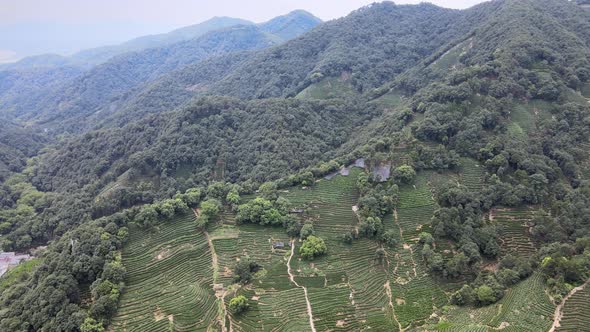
x: 233, y: 199
x: 307, y: 230
x: 313, y: 247
x: 238, y: 304
x: 426, y: 238
x: 463, y: 296
x: 91, y: 325
x: 192, y: 197
x: 147, y: 216
x: 244, y: 269
x: 404, y: 174
x: 390, y: 238
x: 268, y: 190
x: 485, y: 295
x: 208, y: 211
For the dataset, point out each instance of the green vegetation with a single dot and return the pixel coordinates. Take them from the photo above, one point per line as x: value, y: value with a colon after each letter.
x: 329, y: 88
x: 575, y: 312
x: 313, y: 247
x: 19, y: 273
x: 170, y: 207
x: 238, y: 304
x: 525, y: 307
x: 404, y: 174
x: 169, y: 278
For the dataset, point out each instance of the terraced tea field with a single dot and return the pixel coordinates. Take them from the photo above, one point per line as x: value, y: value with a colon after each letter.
x: 524, y: 308
x: 472, y: 174
x: 328, y: 88
x: 514, y: 232
x: 169, y: 282
x: 576, y: 311
x: 180, y: 278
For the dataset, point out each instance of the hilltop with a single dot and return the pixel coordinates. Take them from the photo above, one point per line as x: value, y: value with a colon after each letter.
x: 74, y: 92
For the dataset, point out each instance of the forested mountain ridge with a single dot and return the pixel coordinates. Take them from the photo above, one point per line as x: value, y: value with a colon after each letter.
x: 74, y: 99
x: 87, y: 93
x: 101, y: 54
x: 17, y: 144
x: 88, y: 58
x: 486, y: 130
x: 367, y: 48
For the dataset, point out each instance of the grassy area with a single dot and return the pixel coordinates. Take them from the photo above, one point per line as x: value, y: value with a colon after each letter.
x: 514, y: 232
x: 451, y: 57
x: 14, y: 275
x: 169, y: 280
x: 391, y: 99
x: 472, y: 174
x: 524, y: 308
x: 523, y: 118
x: 328, y: 88
x: 576, y: 312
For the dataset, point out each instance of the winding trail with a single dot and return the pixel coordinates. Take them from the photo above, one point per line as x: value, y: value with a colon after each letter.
x: 219, y: 294
x: 292, y: 278
x: 405, y: 245
x: 559, y: 310
x: 390, y: 296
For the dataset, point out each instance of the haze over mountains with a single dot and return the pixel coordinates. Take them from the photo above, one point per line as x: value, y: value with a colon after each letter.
x: 64, y: 85
x: 482, y: 115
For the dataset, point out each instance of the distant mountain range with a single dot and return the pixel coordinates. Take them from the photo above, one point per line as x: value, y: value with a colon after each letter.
x: 49, y: 89
x: 286, y: 27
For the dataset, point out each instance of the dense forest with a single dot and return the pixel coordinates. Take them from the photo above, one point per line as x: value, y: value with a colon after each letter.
x: 17, y: 144
x: 75, y: 93
x: 203, y: 122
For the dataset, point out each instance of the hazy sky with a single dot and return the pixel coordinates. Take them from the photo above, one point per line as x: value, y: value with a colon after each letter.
x: 30, y: 27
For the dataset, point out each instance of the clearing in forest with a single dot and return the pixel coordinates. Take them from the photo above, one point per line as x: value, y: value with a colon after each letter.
x: 169, y: 279
x: 176, y: 283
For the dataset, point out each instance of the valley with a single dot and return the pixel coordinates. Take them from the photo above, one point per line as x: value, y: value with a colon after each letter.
x: 401, y: 168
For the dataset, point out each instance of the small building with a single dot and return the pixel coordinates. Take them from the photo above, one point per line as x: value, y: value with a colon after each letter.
x: 278, y: 245
x: 296, y: 211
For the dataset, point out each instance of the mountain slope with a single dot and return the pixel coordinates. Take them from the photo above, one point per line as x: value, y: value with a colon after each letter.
x: 88, y: 58
x: 291, y: 25
x: 17, y: 144
x: 367, y: 48
x: 67, y: 103
x: 482, y: 225
x: 101, y: 54
x: 86, y: 94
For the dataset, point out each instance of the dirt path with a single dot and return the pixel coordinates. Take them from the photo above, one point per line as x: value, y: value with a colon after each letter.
x: 390, y: 296
x: 219, y: 291
x: 559, y: 310
x: 405, y: 245
x: 292, y: 278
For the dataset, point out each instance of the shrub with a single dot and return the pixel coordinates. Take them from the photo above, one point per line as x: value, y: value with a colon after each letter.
x: 313, y: 247
x: 307, y: 231
x: 404, y: 174
x: 244, y: 269
x: 238, y: 304
x: 485, y: 295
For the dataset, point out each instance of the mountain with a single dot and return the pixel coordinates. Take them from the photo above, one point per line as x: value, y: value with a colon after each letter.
x: 286, y: 27
x: 291, y: 25
x: 390, y: 45
x: 94, y: 90
x: 459, y: 138
x: 17, y: 144
x: 91, y: 57
x: 101, y: 54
